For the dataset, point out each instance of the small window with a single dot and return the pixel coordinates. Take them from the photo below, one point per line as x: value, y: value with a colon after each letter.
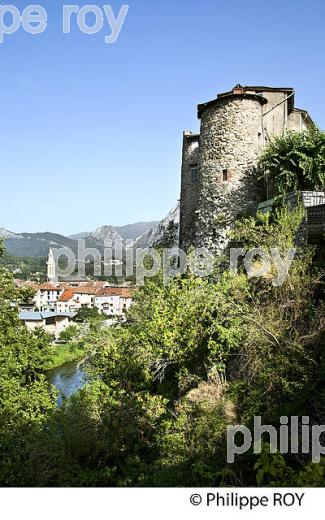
x: 194, y: 174
x: 224, y: 175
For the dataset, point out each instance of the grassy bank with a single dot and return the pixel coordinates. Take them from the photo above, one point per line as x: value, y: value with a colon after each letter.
x: 62, y: 354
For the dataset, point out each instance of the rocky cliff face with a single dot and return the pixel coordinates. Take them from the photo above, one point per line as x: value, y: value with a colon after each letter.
x: 165, y: 234
x: 104, y: 234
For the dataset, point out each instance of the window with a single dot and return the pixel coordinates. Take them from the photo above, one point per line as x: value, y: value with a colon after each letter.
x: 194, y: 173
x: 224, y: 175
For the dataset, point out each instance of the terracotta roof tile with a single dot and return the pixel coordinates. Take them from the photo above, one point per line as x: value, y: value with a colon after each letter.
x: 67, y: 295
x: 86, y: 290
x: 49, y: 287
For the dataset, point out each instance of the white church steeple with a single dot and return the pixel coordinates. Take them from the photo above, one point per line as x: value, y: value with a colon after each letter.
x: 51, y: 267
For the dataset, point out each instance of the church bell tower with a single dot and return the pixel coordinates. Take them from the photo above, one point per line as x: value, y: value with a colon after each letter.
x: 51, y: 267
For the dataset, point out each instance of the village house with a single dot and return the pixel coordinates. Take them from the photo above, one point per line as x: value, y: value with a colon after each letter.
x: 52, y: 322
x: 47, y: 296
x: 73, y: 298
x: 66, y: 302
x: 107, y: 301
x: 113, y: 301
x: 126, y: 300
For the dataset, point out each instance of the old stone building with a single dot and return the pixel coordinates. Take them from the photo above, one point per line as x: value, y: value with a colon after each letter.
x: 219, y: 163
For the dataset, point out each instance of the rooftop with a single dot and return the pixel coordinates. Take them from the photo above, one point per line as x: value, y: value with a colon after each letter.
x: 40, y: 316
x: 67, y: 295
x: 254, y: 91
x: 49, y: 287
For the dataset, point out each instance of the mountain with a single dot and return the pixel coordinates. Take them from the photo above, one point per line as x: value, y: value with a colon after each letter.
x: 4, y: 233
x: 133, y: 231
x: 104, y: 233
x: 166, y: 233
x: 79, y: 236
x: 38, y: 244
x: 127, y: 232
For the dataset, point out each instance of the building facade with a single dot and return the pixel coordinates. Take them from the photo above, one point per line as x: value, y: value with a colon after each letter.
x: 52, y: 322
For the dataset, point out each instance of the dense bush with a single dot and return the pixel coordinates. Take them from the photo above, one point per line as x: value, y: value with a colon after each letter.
x: 295, y: 162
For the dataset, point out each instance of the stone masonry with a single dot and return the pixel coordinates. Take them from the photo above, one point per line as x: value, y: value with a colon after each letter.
x: 219, y: 164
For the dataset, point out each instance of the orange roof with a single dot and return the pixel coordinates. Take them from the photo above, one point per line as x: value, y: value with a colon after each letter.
x: 124, y: 292
x: 110, y: 291
x: 86, y: 290
x: 67, y: 295
x: 49, y: 287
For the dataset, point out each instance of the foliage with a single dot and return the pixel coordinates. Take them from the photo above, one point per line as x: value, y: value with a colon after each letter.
x: 88, y: 314
x: 27, y: 294
x: 69, y: 333
x: 272, y: 470
x: 61, y: 354
x: 25, y: 268
x: 193, y: 357
x: 24, y: 396
x: 295, y: 161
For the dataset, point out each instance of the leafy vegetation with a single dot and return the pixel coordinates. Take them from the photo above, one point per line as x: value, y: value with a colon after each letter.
x: 193, y: 357
x: 61, y: 354
x: 25, y: 400
x: 26, y: 268
x: 295, y: 162
x: 69, y: 333
x: 88, y: 314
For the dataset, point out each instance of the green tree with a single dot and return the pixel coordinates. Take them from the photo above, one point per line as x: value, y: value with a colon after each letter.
x: 295, y: 161
x: 69, y: 333
x: 89, y: 314
x: 24, y: 396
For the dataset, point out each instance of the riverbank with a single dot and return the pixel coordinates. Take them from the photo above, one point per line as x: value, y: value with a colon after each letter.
x: 62, y: 354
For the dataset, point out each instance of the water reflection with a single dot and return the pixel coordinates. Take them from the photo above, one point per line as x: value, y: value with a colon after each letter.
x: 67, y: 379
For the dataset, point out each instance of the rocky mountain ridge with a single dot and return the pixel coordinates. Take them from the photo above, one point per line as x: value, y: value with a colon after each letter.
x: 37, y: 244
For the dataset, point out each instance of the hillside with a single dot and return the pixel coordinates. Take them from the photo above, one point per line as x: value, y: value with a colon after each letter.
x: 37, y: 245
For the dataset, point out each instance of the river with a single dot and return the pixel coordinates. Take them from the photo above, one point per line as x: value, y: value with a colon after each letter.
x: 67, y: 378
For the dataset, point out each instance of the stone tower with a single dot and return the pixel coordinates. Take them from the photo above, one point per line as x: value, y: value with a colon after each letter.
x: 51, y: 267
x: 218, y: 181
x: 189, y: 186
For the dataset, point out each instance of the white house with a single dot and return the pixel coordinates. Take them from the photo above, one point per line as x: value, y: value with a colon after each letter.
x: 108, y: 302
x: 113, y: 301
x: 73, y: 298
x: 66, y: 301
x: 126, y: 300
x: 47, y: 296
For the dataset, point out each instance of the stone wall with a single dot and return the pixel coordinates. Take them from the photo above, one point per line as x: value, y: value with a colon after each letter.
x: 234, y: 128
x: 189, y: 188
x: 230, y: 139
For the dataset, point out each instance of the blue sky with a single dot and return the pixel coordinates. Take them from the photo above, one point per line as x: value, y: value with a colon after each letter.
x: 91, y: 133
